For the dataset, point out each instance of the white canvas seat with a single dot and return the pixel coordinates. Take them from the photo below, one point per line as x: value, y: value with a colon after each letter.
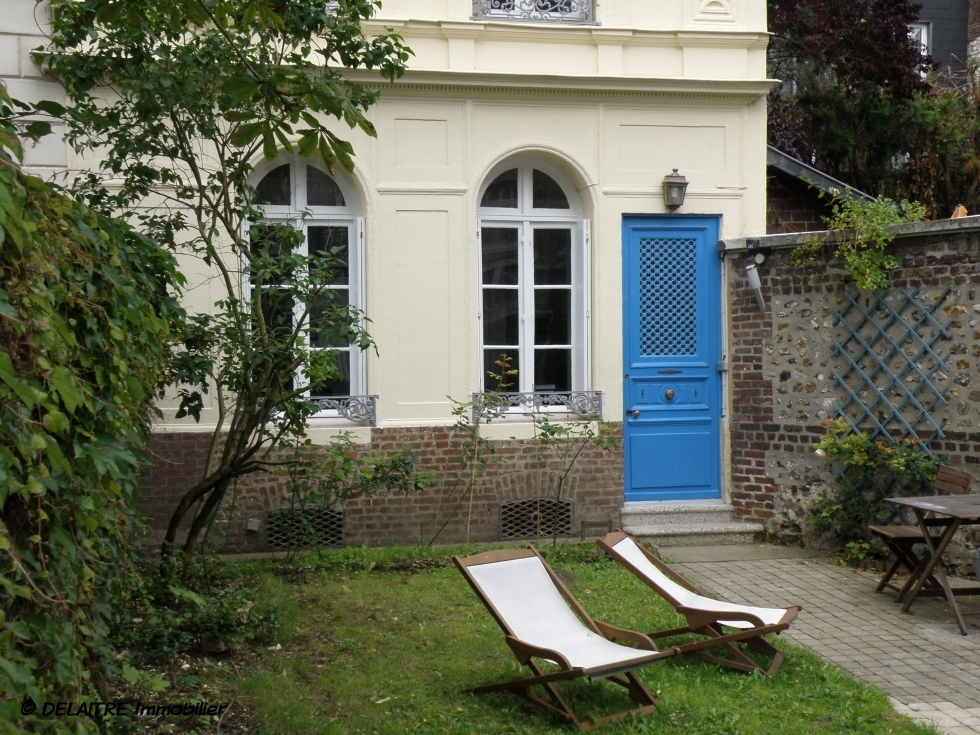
x: 683, y: 597
x: 705, y: 615
x: 523, y: 594
x: 541, y: 620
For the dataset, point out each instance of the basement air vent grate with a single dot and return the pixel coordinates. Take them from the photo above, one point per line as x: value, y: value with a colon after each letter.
x: 289, y: 528
x: 536, y: 517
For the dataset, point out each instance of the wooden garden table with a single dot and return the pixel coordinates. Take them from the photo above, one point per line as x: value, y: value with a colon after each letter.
x: 947, y: 513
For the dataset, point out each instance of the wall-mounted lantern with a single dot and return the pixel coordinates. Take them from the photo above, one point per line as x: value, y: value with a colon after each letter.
x: 675, y: 187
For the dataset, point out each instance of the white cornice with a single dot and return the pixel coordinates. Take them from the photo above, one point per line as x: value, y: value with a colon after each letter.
x: 543, y: 84
x: 569, y: 34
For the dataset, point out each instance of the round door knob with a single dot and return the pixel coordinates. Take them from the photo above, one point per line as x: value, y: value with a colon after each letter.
x: 669, y: 394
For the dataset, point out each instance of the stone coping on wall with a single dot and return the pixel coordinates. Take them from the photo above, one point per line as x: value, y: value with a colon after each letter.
x: 795, y: 239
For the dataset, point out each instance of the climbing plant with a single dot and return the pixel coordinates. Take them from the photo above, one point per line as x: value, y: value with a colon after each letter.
x: 861, y: 235
x: 86, y: 312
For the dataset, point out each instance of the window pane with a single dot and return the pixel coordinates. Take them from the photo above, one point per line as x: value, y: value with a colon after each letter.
x: 333, y: 388
x: 271, y: 244
x: 499, y: 256
x: 502, y: 192
x: 329, y: 317
x: 274, y: 188
x: 547, y: 193
x: 330, y: 244
x: 510, y: 382
x: 553, y: 257
x: 500, y: 317
x: 552, y: 316
x: 553, y: 370
x: 321, y: 190
x: 277, y: 311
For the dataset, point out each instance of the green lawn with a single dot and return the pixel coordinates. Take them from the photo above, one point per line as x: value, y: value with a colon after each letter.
x: 390, y: 652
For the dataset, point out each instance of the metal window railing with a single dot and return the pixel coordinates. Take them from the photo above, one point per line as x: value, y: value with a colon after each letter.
x: 583, y: 403
x: 359, y: 409
x: 535, y: 11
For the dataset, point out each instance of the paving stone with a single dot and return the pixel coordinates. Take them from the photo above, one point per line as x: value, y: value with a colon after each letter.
x: 928, y: 669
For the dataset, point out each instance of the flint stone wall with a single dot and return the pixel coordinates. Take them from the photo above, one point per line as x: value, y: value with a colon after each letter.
x: 782, y: 367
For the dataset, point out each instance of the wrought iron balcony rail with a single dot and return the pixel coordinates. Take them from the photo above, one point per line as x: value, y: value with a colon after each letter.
x: 359, y: 409
x: 584, y: 403
x: 534, y: 11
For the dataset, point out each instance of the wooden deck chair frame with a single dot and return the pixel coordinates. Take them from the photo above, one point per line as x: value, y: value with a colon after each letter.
x: 901, y: 540
x: 708, y: 622
x: 527, y: 653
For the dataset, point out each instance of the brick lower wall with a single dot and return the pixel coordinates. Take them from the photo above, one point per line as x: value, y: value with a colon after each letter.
x: 782, y: 364
x: 595, y: 487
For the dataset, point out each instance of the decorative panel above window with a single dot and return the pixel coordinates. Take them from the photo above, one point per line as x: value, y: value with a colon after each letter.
x: 535, y: 11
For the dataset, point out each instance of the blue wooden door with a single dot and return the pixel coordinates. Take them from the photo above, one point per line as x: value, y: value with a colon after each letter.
x: 672, y: 345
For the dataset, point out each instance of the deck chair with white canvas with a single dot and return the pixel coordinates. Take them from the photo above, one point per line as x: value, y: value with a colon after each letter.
x: 705, y: 616
x: 541, y: 620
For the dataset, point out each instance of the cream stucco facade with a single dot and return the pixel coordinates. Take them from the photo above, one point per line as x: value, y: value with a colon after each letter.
x: 609, y: 107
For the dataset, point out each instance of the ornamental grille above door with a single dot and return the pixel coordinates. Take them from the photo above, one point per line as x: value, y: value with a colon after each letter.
x: 893, y: 365
x: 668, y: 275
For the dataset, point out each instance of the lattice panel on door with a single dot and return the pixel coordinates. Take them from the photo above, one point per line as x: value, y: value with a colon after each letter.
x: 891, y: 360
x: 668, y: 297
x: 289, y: 528
x: 535, y: 517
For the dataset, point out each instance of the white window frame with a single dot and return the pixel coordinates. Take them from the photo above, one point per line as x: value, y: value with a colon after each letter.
x: 302, y: 216
x: 526, y: 219
x: 925, y: 35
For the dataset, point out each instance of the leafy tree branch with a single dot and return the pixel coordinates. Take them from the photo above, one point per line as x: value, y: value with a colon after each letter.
x: 176, y: 101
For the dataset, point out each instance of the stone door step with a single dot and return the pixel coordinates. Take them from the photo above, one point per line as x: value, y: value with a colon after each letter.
x: 688, y: 523
x: 696, y: 534
x: 671, y: 513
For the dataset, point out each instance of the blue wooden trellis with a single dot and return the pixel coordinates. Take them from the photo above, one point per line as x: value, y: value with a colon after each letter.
x: 889, y: 393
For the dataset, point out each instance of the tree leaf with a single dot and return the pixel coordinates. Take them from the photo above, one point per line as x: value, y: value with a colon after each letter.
x: 20, y: 387
x: 64, y: 383
x: 55, y: 422
x: 19, y: 628
x: 240, y: 88
x: 51, y: 108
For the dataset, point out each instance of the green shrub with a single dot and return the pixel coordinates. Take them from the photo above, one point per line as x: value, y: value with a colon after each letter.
x: 85, y: 315
x: 157, y: 616
x: 868, y: 471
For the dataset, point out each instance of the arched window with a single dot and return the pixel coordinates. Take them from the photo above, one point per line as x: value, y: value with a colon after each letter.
x: 533, y: 275
x: 298, y: 192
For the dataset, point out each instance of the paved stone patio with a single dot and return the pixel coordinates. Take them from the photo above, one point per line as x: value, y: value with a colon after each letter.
x: 930, y: 671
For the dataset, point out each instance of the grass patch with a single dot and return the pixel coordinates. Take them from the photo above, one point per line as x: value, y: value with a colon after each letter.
x: 386, y: 641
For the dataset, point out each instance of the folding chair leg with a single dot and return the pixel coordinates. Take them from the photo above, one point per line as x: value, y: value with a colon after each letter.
x: 747, y: 665
x: 638, y: 693
x: 761, y: 645
x: 716, y: 638
x: 522, y: 688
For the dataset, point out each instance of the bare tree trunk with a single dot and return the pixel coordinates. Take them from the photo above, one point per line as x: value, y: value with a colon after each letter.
x: 207, y: 510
